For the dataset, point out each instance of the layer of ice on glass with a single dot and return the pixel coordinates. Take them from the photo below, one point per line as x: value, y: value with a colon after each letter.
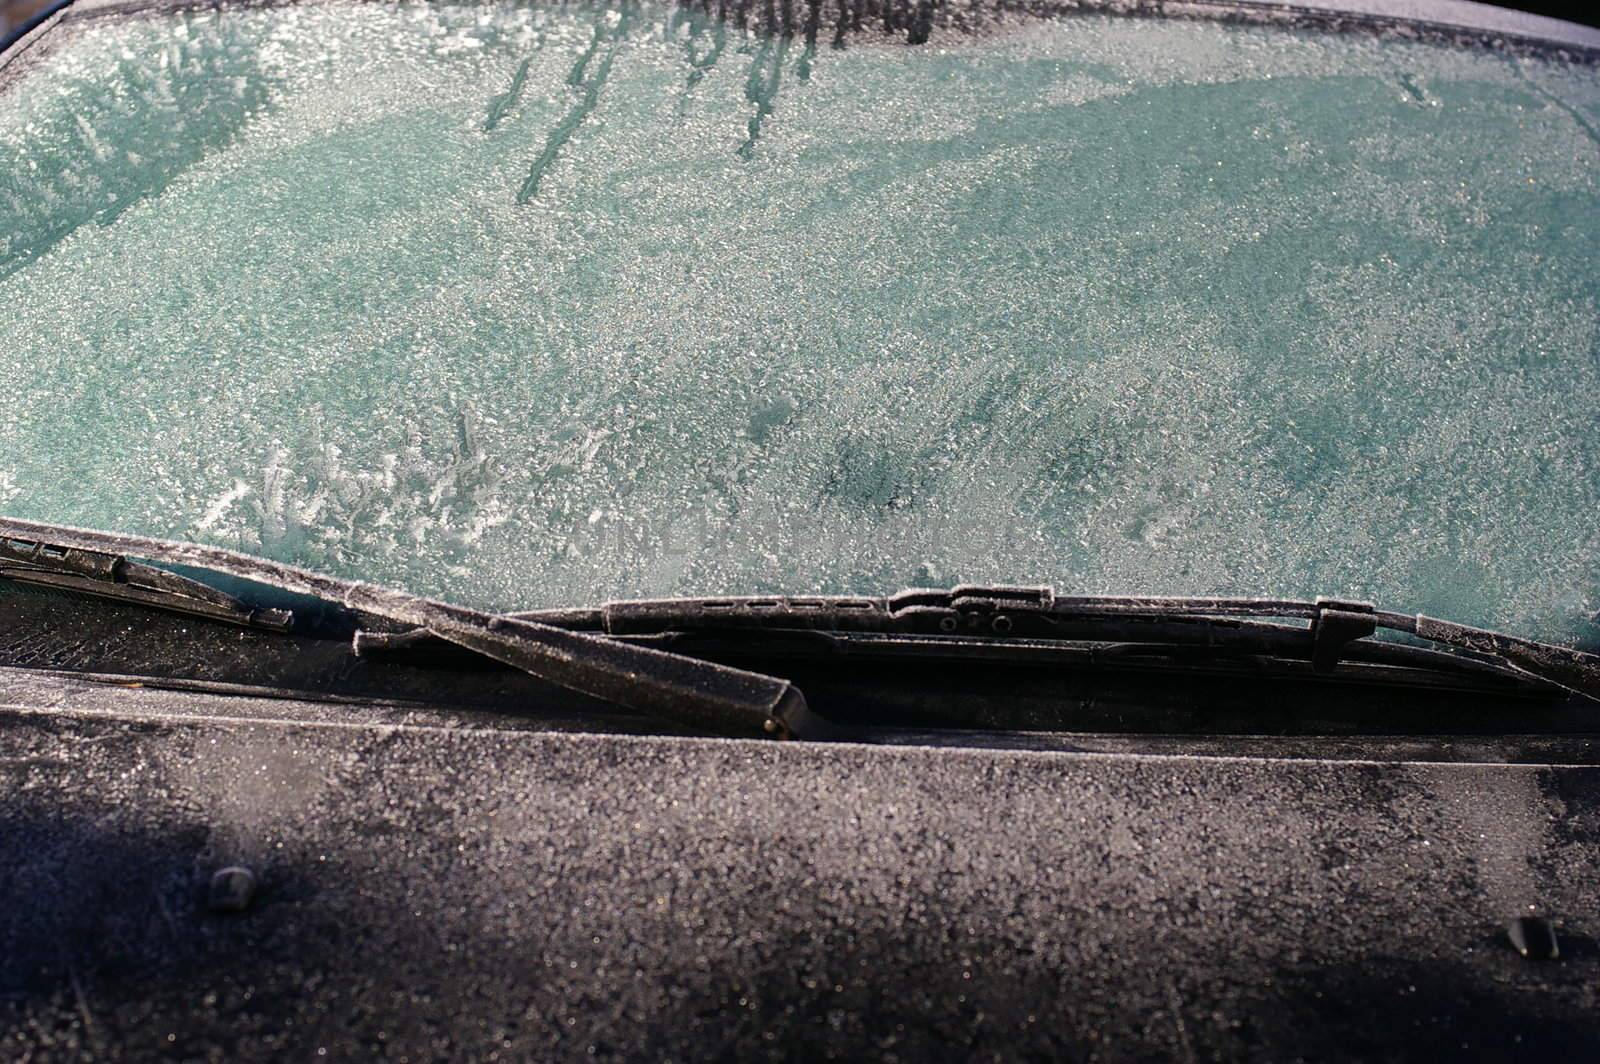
x: 525, y: 306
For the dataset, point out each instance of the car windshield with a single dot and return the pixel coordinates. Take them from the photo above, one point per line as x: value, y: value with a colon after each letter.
x: 534, y: 305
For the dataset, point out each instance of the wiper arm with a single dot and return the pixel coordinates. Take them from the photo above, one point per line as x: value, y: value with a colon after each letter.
x: 1337, y: 629
x: 703, y: 694
x: 579, y: 649
x: 114, y: 576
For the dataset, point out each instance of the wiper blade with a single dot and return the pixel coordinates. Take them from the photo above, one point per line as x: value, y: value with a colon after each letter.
x: 703, y: 694
x: 114, y: 576
x: 1337, y: 629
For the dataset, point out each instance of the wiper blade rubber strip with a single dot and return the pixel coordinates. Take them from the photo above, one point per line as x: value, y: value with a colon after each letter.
x: 702, y: 694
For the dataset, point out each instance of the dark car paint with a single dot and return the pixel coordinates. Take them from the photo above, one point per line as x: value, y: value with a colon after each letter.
x: 437, y: 889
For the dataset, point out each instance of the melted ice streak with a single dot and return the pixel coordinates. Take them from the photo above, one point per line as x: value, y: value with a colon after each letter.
x: 1117, y: 305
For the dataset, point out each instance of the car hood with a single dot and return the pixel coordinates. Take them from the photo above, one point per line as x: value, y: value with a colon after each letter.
x: 475, y: 889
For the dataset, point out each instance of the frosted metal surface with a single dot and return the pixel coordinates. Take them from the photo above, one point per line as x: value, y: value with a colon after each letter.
x: 533, y: 306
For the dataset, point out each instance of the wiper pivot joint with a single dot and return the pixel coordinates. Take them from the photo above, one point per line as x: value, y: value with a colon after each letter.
x: 1335, y: 625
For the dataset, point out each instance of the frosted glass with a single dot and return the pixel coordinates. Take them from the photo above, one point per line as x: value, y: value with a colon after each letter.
x: 527, y: 306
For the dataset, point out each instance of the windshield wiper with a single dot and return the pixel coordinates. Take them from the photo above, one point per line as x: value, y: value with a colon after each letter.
x: 1333, y: 631
x: 604, y: 651
x: 705, y: 695
x: 114, y: 576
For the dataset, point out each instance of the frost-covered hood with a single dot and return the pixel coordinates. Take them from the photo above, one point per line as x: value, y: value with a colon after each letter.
x: 461, y: 891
